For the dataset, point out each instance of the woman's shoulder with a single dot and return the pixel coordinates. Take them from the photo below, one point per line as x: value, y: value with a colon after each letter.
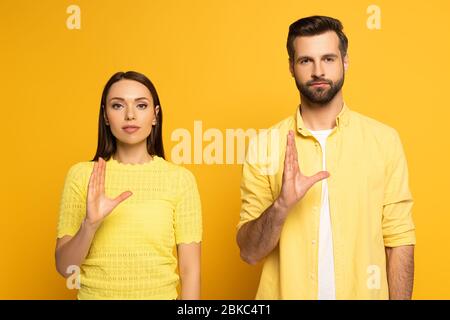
x: 80, y: 169
x: 176, y: 169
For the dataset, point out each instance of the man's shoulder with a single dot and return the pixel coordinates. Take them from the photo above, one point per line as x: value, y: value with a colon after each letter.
x: 287, y: 123
x: 275, y: 131
x: 367, y: 123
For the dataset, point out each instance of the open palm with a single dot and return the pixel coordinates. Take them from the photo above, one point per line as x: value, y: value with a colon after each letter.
x: 294, y: 183
x: 98, y: 205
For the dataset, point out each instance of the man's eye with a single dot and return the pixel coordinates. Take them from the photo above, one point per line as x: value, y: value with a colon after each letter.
x: 329, y: 59
x: 304, y: 61
x: 142, y: 106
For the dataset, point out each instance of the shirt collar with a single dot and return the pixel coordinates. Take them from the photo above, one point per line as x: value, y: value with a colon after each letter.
x: 342, y: 120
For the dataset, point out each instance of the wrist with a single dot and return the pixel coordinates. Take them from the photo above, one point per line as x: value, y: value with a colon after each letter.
x: 89, y: 226
x: 280, y: 205
x: 281, y: 209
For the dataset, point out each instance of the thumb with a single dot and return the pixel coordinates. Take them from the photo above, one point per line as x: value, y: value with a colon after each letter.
x: 317, y: 177
x: 123, y: 196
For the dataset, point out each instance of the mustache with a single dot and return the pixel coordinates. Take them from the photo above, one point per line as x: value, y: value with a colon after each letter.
x: 319, y: 80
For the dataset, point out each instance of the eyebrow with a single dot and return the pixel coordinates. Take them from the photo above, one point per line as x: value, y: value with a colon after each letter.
x: 122, y: 99
x: 328, y: 55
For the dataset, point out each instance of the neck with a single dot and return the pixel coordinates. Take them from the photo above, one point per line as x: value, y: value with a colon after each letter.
x: 132, y: 154
x: 321, y: 116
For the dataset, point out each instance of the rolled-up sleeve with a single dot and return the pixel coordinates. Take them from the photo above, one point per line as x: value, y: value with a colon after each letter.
x: 398, y: 225
x: 256, y: 194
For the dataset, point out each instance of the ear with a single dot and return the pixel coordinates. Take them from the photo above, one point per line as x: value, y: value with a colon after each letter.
x: 105, y: 116
x: 346, y: 61
x: 291, y: 67
x: 156, y: 113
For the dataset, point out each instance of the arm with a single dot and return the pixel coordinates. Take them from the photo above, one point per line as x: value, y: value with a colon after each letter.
x: 398, y: 226
x: 400, y: 272
x: 189, y: 265
x: 257, y: 238
x: 73, y: 250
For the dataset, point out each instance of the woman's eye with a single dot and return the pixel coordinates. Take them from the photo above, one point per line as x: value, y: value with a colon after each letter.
x: 116, y: 106
x: 142, y: 106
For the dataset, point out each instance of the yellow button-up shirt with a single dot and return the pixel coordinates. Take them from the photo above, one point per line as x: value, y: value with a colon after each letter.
x: 369, y: 198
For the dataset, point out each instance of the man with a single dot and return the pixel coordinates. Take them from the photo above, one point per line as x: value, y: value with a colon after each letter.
x: 334, y: 222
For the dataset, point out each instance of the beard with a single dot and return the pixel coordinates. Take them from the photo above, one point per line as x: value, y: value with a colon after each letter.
x: 320, y: 95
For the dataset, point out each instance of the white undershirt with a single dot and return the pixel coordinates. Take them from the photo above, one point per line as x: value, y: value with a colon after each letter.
x: 325, y: 277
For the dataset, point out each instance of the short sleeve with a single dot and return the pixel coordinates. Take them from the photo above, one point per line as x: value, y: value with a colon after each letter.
x: 73, y: 203
x: 398, y: 225
x: 188, y: 213
x: 256, y: 194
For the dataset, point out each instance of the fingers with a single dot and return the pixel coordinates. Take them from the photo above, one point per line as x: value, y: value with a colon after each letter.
x: 91, y: 181
x: 97, y: 178
x: 291, y: 157
x: 295, y: 165
x: 98, y: 174
x: 94, y: 177
x: 291, y: 153
x: 288, y: 158
x: 102, y: 164
x: 294, y: 150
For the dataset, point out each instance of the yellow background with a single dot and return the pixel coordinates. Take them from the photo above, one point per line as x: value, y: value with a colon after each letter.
x: 222, y: 62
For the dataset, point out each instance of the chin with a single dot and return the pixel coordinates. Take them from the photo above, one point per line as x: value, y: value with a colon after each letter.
x: 132, y: 140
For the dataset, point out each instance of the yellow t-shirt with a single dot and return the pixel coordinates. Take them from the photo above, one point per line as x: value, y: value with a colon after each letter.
x: 132, y: 254
x: 369, y: 198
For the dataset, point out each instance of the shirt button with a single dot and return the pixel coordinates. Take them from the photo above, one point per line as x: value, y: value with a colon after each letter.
x: 311, y: 275
x: 313, y: 242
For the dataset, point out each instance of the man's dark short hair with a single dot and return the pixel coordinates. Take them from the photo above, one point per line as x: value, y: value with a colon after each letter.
x: 312, y: 26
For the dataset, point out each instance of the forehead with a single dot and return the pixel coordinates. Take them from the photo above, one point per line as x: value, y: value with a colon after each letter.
x: 317, y: 45
x: 129, y: 89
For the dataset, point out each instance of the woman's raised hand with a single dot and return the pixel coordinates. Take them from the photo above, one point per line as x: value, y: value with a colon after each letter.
x: 99, y: 206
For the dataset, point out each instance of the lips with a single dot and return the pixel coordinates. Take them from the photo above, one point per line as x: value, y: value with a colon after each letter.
x: 130, y: 129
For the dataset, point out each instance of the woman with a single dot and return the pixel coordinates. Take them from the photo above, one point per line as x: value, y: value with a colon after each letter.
x: 123, y: 213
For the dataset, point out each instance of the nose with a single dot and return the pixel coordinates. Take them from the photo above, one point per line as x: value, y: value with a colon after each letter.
x: 318, y: 70
x: 129, y: 115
